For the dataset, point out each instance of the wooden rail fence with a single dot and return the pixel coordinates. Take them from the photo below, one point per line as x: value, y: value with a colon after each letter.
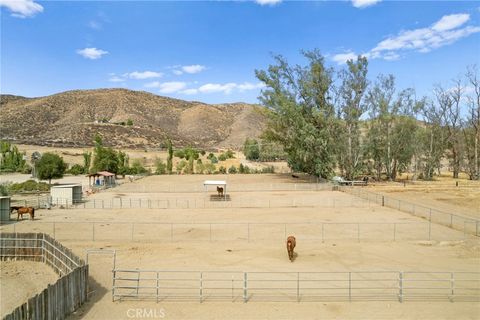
x: 56, y: 301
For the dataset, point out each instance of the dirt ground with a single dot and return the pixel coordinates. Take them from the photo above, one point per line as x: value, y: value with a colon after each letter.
x: 442, y: 194
x: 230, y: 251
x: 21, y: 280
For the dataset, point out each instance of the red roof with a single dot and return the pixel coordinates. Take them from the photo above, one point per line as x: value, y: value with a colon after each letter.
x: 102, y: 173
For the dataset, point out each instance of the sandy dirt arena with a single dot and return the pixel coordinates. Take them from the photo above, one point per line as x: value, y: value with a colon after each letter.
x: 21, y: 280
x: 214, y: 239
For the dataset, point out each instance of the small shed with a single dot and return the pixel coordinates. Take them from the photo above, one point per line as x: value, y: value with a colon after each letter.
x: 218, y: 183
x: 102, y: 178
x: 66, y: 194
x: 4, y: 208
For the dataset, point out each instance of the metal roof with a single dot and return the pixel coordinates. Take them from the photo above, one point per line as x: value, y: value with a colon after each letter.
x: 214, y: 183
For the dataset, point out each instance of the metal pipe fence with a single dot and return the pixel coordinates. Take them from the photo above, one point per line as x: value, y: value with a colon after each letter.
x: 249, y: 232
x: 161, y: 285
x: 454, y: 221
x: 239, y: 187
x: 206, y: 203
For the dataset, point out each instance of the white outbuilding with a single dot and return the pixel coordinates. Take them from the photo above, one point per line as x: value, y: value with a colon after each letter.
x: 66, y: 194
x: 4, y: 208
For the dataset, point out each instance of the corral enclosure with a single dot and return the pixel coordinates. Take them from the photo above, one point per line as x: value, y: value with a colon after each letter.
x: 339, y: 235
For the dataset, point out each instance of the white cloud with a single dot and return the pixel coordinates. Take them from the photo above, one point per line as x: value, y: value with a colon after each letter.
x: 216, y: 87
x: 194, y: 68
x: 22, y: 8
x: 91, y: 53
x: 154, y: 84
x: 115, y: 78
x: 94, y: 25
x: 342, y: 58
x: 268, y: 2
x: 169, y: 87
x: 189, y: 91
x: 191, y: 69
x: 450, y: 22
x: 250, y: 86
x: 364, y: 3
x: 225, y: 88
x: 143, y: 75
x: 445, y: 31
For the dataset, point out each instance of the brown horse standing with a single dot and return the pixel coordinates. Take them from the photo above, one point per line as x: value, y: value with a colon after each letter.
x: 291, y: 242
x: 220, y: 191
x: 25, y: 210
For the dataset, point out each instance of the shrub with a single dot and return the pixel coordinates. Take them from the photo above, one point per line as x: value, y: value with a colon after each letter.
x: 76, y: 169
x: 129, y: 122
x: 222, y: 157
x: 229, y: 154
x: 269, y: 169
x: 160, y: 166
x: 199, y: 168
x: 180, y: 166
x: 29, y: 185
x: 179, y: 154
x: 232, y: 170
x: 243, y: 169
x: 202, y: 152
x: 26, y: 169
x: 209, y: 168
x: 222, y: 170
x: 214, y: 160
x: 251, y: 149
x: 137, y: 167
x: 4, y: 189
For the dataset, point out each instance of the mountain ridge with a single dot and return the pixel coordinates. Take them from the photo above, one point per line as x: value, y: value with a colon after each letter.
x: 72, y: 118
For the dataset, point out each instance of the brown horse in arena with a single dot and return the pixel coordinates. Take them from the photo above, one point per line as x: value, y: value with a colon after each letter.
x: 220, y: 191
x: 24, y: 210
x: 291, y: 242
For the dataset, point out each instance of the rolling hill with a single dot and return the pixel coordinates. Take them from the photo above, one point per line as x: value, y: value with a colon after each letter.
x: 73, y: 118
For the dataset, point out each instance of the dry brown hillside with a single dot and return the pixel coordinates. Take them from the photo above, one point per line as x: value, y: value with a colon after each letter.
x: 73, y: 118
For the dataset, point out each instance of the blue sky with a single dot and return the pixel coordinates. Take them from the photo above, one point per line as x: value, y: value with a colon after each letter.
x: 208, y: 50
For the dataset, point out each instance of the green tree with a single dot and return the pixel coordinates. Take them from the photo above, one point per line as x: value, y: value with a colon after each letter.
x: 51, y: 166
x: 170, y: 157
x: 301, y: 114
x: 87, y: 161
x: 123, y: 163
x: 251, y: 150
x: 76, y: 169
x: 11, y: 159
x: 105, y: 159
x: 351, y: 107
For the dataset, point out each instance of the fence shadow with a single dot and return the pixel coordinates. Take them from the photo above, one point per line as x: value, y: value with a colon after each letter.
x: 96, y: 292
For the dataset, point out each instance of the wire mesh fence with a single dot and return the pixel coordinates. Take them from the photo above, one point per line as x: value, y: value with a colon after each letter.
x: 233, y: 286
x: 249, y: 232
x: 454, y: 221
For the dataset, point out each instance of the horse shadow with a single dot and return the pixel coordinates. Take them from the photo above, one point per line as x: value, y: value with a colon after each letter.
x: 294, y: 256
